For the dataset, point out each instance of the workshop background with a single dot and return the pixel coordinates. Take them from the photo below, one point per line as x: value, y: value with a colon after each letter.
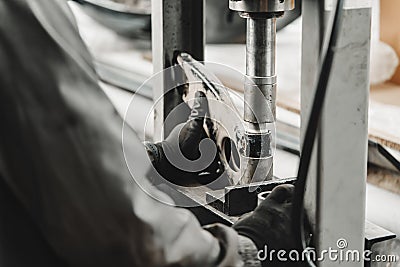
x: 119, y: 40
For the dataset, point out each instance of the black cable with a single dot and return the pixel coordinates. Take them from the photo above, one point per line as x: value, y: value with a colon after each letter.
x: 311, y: 130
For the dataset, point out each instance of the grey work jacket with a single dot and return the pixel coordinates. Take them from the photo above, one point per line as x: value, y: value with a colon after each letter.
x: 66, y: 195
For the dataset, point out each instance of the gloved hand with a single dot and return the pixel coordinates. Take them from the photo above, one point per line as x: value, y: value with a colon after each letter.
x: 187, y: 151
x: 269, y: 226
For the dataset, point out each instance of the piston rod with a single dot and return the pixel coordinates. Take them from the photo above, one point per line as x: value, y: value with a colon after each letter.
x: 260, y: 70
x: 260, y: 84
x: 260, y: 93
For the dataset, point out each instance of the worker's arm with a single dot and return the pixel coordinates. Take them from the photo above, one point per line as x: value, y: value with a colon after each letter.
x: 61, y: 154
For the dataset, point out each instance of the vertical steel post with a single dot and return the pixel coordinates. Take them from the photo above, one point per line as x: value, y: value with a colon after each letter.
x: 177, y: 26
x: 336, y: 204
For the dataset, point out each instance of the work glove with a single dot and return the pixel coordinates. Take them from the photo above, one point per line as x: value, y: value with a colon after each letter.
x: 269, y: 226
x: 187, y: 152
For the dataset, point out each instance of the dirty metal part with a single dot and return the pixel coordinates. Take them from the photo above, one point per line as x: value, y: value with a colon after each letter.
x: 240, y: 199
x: 237, y: 142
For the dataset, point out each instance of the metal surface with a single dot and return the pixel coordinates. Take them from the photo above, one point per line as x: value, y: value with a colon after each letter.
x: 226, y: 118
x: 382, y: 157
x: 260, y: 82
x: 227, y: 128
x: 260, y: 89
x: 336, y: 204
x: 260, y: 71
x: 178, y: 26
x: 375, y: 234
x: 240, y: 199
x: 290, y: 16
x: 262, y: 6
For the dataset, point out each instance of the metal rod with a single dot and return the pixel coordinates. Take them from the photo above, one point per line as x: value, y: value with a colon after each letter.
x: 260, y: 91
x: 260, y: 83
x: 261, y: 47
x: 260, y: 70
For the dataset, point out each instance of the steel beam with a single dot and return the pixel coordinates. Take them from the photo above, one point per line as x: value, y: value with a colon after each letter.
x: 177, y: 26
x: 336, y: 204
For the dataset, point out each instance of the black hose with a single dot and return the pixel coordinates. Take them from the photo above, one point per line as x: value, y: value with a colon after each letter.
x: 311, y: 130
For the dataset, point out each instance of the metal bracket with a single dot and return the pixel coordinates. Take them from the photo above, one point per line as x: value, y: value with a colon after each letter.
x: 240, y: 199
